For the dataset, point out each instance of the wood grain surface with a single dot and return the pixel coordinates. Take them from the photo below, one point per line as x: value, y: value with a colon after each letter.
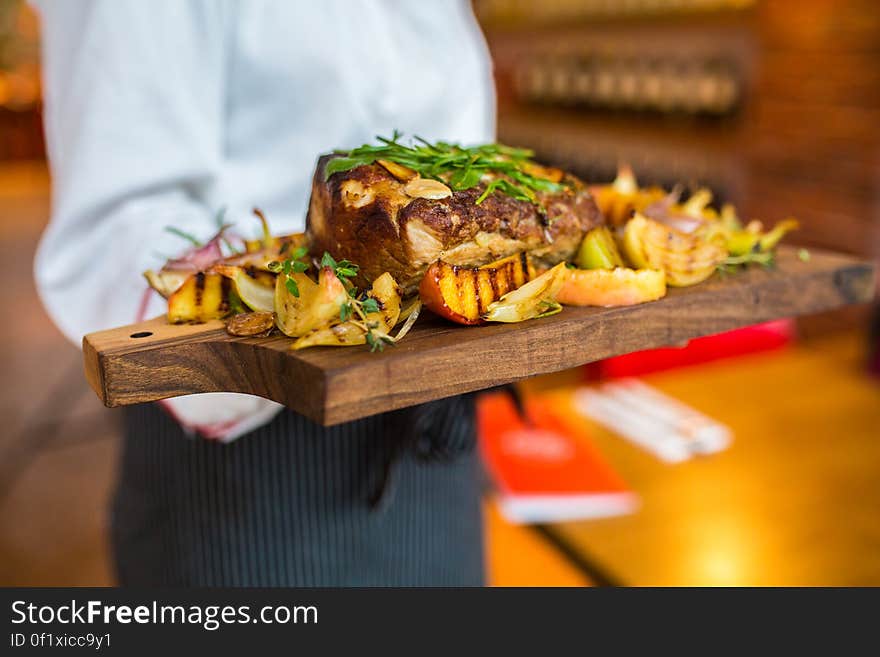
x: 438, y: 359
x: 793, y: 501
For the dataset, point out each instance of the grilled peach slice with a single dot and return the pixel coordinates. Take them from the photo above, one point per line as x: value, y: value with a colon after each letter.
x: 463, y: 294
x: 612, y: 287
x: 201, y: 297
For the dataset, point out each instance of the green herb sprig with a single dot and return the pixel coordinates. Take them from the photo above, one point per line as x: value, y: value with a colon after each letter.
x: 344, y: 269
x: 289, y: 266
x: 457, y: 166
x: 189, y: 237
x: 358, y: 306
x: 766, y: 259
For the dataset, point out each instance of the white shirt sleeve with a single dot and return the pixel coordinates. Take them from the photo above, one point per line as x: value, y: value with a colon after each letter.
x: 134, y: 105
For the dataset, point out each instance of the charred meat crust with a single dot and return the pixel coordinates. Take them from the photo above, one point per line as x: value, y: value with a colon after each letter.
x: 364, y: 215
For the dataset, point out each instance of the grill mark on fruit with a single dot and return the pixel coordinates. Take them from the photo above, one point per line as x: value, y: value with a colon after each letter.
x: 199, y: 289
x: 493, y: 280
x: 225, y: 289
x: 502, y: 284
x: 471, y: 278
x: 524, y: 264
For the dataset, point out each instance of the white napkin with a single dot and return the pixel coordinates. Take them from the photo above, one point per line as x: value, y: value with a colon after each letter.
x: 222, y: 416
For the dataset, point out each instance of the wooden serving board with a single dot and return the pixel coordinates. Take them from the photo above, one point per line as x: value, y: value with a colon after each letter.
x: 154, y: 360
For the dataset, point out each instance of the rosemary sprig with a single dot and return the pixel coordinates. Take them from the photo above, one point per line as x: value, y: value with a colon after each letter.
x: 219, y: 220
x: 189, y: 237
x: 458, y: 166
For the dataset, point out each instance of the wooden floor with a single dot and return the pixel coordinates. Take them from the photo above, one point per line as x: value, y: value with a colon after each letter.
x: 796, y: 499
x: 57, y: 443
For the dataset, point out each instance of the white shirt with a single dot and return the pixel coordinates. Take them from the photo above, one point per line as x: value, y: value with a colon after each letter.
x: 160, y: 113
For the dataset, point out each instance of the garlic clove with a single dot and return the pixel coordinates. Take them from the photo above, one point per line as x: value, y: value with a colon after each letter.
x: 402, y: 173
x: 427, y: 188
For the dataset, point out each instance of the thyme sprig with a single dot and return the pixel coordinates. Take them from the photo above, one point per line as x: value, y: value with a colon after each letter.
x: 356, y: 309
x: 358, y: 306
x: 344, y: 269
x: 289, y: 266
x: 457, y: 166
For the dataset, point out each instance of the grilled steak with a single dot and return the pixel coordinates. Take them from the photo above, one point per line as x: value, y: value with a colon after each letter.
x: 365, y: 216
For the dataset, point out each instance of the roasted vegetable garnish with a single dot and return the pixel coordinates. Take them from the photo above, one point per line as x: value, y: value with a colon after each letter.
x: 752, y: 239
x: 254, y: 287
x: 250, y: 324
x: 259, y: 256
x: 202, y: 297
x: 166, y: 282
x: 537, y: 298
x: 367, y: 321
x: 687, y: 259
x: 599, y: 250
x: 463, y: 294
x: 611, y: 287
x: 314, y: 306
x: 620, y: 200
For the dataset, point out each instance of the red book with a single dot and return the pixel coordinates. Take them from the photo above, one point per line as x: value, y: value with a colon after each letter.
x: 748, y: 340
x: 549, y: 471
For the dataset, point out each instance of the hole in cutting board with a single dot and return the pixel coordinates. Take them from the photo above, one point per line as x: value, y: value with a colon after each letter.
x: 141, y: 334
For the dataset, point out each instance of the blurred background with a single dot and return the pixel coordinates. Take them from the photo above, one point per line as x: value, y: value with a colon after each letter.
x: 773, y: 104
